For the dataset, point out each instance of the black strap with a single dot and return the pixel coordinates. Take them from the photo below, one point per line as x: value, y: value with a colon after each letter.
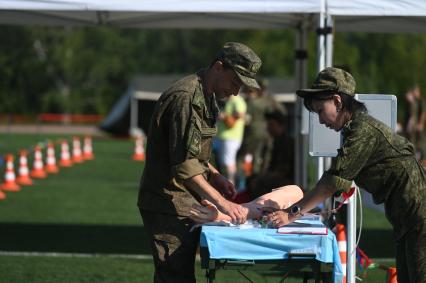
x: 324, y: 30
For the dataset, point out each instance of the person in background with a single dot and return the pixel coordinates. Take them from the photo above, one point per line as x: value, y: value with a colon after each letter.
x: 230, y: 135
x: 178, y: 172
x: 280, y: 170
x: 377, y: 159
x: 414, y: 120
x: 256, y: 145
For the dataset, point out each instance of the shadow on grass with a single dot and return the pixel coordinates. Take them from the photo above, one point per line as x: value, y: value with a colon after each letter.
x: 128, y: 239
x: 73, y: 238
x: 377, y: 243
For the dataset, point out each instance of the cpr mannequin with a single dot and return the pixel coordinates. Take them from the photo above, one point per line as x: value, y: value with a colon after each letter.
x: 279, y: 198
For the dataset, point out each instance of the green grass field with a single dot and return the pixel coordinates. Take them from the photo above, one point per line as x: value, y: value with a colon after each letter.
x: 90, y: 208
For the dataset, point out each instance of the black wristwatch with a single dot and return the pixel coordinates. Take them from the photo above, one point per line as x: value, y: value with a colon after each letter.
x: 296, y: 210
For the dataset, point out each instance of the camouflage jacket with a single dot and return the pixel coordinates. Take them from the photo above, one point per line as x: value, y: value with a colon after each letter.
x: 178, y: 146
x: 382, y: 163
x: 257, y: 107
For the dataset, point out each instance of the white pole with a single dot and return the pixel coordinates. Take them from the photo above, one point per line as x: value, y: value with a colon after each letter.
x: 351, y: 213
x: 328, y: 63
x: 321, y: 66
x: 329, y: 42
x: 301, y: 145
x: 321, y: 37
x: 133, y: 113
x: 351, y: 248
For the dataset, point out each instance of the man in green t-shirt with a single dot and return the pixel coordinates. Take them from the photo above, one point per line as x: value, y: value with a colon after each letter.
x: 230, y: 135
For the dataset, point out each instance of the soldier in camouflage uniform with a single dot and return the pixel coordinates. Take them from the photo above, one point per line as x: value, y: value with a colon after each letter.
x: 378, y: 160
x: 177, y: 172
x: 256, y: 140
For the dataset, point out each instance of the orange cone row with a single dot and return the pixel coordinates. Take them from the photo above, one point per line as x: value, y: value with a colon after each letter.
x: 139, y: 154
x: 39, y: 171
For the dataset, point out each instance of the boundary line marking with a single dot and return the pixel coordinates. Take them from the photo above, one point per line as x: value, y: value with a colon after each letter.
x: 129, y: 256
x: 81, y: 255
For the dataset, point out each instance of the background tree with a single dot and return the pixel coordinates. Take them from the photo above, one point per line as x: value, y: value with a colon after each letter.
x: 85, y: 70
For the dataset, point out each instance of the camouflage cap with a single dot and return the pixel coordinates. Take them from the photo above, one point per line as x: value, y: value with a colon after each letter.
x: 242, y: 60
x: 329, y: 80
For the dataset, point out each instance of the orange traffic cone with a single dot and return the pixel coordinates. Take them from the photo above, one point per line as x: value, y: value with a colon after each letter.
x: 77, y: 157
x: 88, y: 149
x: 51, y: 166
x: 341, y: 242
x: 391, y: 275
x: 65, y: 155
x: 38, y: 171
x: 24, y: 176
x: 9, y: 176
x: 248, y: 164
x: 139, y: 154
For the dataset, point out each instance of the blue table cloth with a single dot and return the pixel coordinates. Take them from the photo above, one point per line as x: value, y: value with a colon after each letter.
x: 267, y: 244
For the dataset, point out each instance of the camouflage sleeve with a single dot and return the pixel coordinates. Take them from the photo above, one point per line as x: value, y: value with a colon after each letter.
x: 184, y: 142
x: 358, y: 145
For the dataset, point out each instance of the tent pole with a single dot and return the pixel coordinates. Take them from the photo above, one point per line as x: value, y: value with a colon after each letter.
x: 321, y: 65
x: 133, y: 113
x: 329, y: 41
x: 351, y: 238
x: 301, y: 126
x: 327, y: 32
x: 351, y: 215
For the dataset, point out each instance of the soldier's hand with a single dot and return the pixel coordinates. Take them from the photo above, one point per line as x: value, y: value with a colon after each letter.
x: 223, y: 185
x: 237, y: 213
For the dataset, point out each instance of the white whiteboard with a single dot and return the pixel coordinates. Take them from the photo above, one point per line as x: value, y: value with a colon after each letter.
x: 324, y: 142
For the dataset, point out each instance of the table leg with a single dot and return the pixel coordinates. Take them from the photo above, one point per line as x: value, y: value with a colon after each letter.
x: 317, y: 276
x: 210, y: 275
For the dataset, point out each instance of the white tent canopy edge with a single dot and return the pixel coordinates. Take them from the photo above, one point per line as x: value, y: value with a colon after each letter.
x: 159, y: 14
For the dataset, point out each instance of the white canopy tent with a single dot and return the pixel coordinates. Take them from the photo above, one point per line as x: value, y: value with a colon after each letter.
x: 405, y: 16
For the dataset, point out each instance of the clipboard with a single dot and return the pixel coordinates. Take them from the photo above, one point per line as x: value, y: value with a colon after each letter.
x: 303, y: 228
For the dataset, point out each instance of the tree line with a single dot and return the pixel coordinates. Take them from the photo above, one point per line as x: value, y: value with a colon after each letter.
x: 85, y: 70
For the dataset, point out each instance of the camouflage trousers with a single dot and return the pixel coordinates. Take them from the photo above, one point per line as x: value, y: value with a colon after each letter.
x: 173, y: 246
x: 411, y: 255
